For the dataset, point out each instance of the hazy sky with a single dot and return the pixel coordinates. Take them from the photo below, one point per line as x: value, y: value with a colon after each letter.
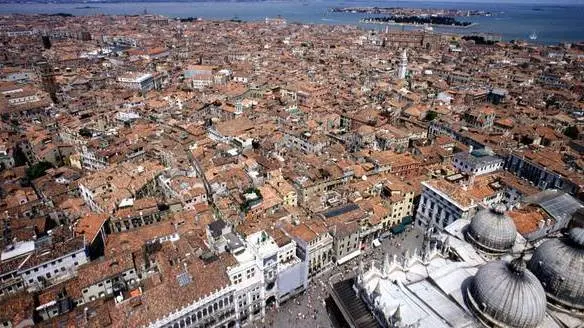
x: 554, y: 2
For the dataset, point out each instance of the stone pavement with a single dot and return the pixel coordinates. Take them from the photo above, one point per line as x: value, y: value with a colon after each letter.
x: 308, y: 309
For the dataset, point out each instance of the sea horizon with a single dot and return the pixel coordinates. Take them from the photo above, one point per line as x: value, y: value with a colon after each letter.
x: 552, y: 22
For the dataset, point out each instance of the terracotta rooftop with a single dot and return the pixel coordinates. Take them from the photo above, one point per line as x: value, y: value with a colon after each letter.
x: 527, y: 219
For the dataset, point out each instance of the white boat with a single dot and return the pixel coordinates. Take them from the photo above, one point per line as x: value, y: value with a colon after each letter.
x: 533, y: 36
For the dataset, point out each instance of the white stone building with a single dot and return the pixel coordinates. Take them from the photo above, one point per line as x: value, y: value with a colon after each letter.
x: 476, y: 163
x: 442, y: 203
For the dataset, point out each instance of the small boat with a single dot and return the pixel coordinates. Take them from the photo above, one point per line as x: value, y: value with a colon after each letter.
x: 533, y: 36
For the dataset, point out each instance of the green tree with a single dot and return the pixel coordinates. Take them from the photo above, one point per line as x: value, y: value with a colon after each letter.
x: 571, y: 132
x: 85, y: 132
x: 38, y: 170
x: 431, y: 115
x: 19, y: 156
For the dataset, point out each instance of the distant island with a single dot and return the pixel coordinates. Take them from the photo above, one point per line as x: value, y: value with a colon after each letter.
x: 61, y: 15
x: 417, y: 20
x: 86, y: 7
x: 479, y: 39
x: 189, y: 19
x: 400, y: 11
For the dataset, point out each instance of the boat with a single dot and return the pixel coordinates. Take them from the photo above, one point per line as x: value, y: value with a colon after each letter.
x: 533, y: 36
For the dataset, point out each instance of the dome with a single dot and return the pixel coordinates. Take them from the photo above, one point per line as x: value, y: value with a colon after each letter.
x: 559, y: 265
x: 507, y: 294
x: 492, y: 231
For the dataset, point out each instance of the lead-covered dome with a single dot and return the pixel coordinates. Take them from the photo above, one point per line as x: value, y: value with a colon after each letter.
x: 491, y: 230
x: 507, y: 294
x: 559, y: 265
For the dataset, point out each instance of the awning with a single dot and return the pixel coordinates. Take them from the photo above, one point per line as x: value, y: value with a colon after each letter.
x: 402, y: 226
x: 349, y: 257
x: 397, y: 229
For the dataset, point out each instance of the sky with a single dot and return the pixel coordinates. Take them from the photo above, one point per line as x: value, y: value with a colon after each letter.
x: 552, y: 2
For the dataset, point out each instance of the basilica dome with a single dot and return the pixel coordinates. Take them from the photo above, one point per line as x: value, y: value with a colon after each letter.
x: 559, y: 265
x: 507, y: 294
x: 492, y: 231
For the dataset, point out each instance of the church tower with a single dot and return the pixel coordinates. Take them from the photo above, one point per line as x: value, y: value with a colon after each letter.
x: 45, y: 70
x: 403, y: 66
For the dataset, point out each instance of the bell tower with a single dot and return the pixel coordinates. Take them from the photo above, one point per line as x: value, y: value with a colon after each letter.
x: 403, y: 66
x: 45, y: 71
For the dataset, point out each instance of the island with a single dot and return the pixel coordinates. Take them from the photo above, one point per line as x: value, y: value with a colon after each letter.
x: 417, y: 20
x: 401, y: 11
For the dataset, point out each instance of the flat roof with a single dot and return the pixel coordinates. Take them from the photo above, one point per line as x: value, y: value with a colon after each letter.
x: 263, y: 243
x: 245, y: 256
x: 17, y: 249
x: 340, y: 210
